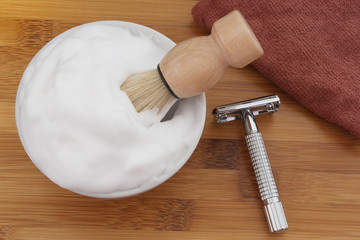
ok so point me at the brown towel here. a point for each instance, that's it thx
(312, 50)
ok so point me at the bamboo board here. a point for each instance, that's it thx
(214, 196)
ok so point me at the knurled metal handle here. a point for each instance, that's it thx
(268, 191)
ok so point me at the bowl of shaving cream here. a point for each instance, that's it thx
(83, 132)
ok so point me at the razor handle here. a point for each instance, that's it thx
(273, 208)
(268, 191)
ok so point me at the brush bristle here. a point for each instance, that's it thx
(147, 91)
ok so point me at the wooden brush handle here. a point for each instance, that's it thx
(196, 64)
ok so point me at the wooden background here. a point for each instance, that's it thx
(316, 164)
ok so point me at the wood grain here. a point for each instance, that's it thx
(316, 164)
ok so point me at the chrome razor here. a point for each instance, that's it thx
(246, 111)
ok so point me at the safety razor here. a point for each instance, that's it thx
(246, 111)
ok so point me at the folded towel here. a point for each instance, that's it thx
(312, 50)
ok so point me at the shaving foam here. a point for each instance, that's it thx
(83, 132)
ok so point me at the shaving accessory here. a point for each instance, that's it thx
(194, 65)
(246, 111)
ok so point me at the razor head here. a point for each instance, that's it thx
(258, 106)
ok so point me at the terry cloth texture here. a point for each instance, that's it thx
(311, 50)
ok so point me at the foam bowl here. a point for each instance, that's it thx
(82, 131)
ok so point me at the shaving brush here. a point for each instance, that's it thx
(194, 65)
